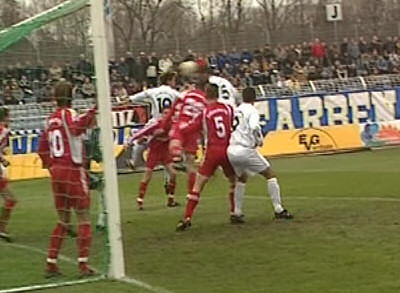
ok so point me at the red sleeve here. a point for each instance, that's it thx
(78, 125)
(44, 150)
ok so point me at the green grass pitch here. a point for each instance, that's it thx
(344, 238)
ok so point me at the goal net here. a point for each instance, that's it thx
(50, 42)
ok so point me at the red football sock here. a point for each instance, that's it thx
(171, 197)
(232, 198)
(172, 186)
(191, 204)
(142, 193)
(191, 181)
(6, 213)
(84, 241)
(56, 242)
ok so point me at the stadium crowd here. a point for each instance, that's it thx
(282, 65)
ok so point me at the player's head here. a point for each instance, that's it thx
(249, 95)
(168, 78)
(63, 94)
(4, 115)
(211, 92)
(201, 78)
(166, 111)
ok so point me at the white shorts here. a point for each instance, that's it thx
(246, 160)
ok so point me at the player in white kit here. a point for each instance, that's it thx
(246, 160)
(227, 93)
(159, 98)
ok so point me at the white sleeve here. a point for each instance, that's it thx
(140, 97)
(254, 121)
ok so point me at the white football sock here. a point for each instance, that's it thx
(137, 152)
(275, 194)
(167, 175)
(239, 195)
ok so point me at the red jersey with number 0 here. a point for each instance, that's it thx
(62, 141)
(4, 135)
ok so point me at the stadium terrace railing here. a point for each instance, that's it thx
(329, 86)
(32, 116)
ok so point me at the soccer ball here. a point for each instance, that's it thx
(188, 68)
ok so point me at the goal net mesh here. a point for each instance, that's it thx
(49, 46)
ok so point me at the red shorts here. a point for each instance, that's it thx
(214, 158)
(189, 143)
(70, 187)
(158, 157)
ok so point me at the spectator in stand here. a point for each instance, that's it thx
(246, 57)
(119, 92)
(68, 71)
(88, 89)
(55, 72)
(132, 65)
(376, 45)
(122, 67)
(114, 76)
(177, 58)
(382, 65)
(318, 51)
(142, 68)
(388, 47)
(363, 45)
(190, 56)
(353, 51)
(222, 60)
(267, 52)
(112, 64)
(84, 66)
(235, 60)
(152, 70)
(344, 49)
(213, 61)
(46, 93)
(165, 64)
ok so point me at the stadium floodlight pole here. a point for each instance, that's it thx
(117, 264)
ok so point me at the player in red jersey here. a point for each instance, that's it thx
(216, 121)
(191, 109)
(158, 154)
(61, 149)
(9, 199)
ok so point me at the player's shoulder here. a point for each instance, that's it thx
(247, 108)
(195, 94)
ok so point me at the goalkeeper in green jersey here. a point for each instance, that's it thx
(93, 153)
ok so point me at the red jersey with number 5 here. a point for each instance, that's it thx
(216, 122)
(62, 141)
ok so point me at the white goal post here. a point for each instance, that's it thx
(117, 264)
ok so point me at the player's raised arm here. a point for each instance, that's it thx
(192, 126)
(78, 125)
(140, 97)
(145, 131)
(44, 150)
(4, 135)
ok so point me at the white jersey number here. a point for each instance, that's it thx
(237, 120)
(56, 143)
(220, 127)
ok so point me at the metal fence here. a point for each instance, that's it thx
(330, 86)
